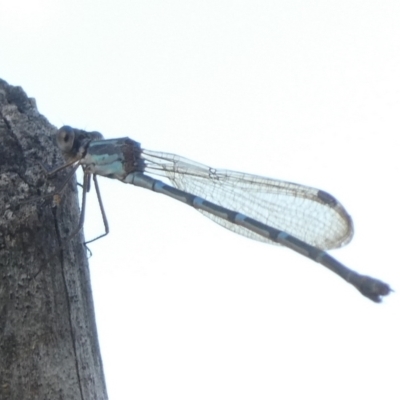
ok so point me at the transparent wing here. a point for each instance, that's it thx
(309, 214)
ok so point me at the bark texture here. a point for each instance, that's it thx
(48, 339)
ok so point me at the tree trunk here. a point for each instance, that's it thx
(48, 340)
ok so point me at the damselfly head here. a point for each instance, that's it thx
(65, 138)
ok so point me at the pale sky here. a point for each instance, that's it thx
(302, 91)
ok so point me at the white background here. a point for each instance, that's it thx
(305, 91)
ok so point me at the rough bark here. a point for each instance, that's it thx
(48, 339)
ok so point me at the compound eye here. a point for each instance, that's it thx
(65, 137)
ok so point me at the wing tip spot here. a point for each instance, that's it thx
(327, 198)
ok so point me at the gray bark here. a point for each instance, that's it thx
(48, 339)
